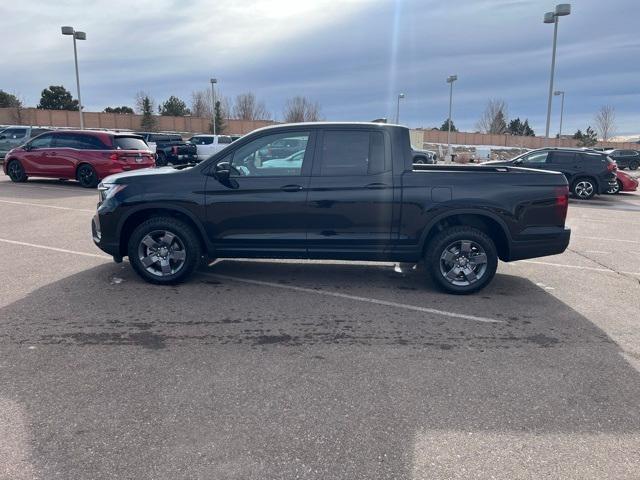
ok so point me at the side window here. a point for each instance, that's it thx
(43, 141)
(224, 139)
(206, 141)
(279, 154)
(352, 153)
(563, 158)
(15, 133)
(537, 157)
(89, 142)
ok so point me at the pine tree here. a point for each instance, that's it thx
(445, 126)
(148, 122)
(219, 119)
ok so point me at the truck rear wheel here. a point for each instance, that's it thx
(461, 260)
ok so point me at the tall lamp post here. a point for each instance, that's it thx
(556, 93)
(213, 103)
(401, 95)
(561, 10)
(76, 36)
(450, 80)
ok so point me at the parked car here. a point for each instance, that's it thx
(624, 183)
(625, 158)
(87, 156)
(235, 137)
(207, 145)
(12, 137)
(283, 148)
(424, 157)
(170, 149)
(356, 195)
(587, 171)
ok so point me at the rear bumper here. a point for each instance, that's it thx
(541, 242)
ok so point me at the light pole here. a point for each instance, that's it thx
(561, 10)
(76, 36)
(213, 103)
(450, 80)
(401, 95)
(556, 93)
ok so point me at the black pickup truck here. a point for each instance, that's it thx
(353, 194)
(170, 148)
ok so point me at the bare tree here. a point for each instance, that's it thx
(301, 109)
(201, 104)
(606, 122)
(140, 102)
(494, 117)
(247, 108)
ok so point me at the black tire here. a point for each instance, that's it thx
(616, 189)
(633, 165)
(87, 176)
(16, 172)
(584, 188)
(150, 241)
(452, 268)
(161, 160)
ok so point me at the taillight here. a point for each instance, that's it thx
(116, 157)
(562, 202)
(174, 150)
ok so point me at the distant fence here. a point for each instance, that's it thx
(462, 138)
(65, 118)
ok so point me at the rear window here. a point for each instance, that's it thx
(224, 139)
(352, 153)
(129, 143)
(175, 138)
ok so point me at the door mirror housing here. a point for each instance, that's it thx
(222, 171)
(28, 147)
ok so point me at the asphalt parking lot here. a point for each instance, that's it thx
(283, 369)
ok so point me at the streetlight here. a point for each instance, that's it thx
(213, 103)
(450, 80)
(556, 93)
(561, 10)
(398, 108)
(76, 36)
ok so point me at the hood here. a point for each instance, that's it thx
(143, 173)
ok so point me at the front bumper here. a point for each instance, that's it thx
(542, 242)
(102, 241)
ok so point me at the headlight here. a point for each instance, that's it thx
(108, 190)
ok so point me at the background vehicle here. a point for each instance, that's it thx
(207, 145)
(587, 171)
(170, 148)
(283, 148)
(355, 195)
(13, 137)
(624, 183)
(424, 157)
(625, 158)
(87, 156)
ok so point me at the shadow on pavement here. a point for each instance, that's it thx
(220, 379)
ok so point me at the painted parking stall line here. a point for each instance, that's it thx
(55, 207)
(54, 249)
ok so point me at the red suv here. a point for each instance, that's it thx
(87, 156)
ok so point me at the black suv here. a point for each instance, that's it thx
(625, 158)
(588, 172)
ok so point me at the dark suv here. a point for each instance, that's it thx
(625, 158)
(587, 171)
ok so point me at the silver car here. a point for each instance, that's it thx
(15, 136)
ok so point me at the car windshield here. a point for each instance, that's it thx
(129, 143)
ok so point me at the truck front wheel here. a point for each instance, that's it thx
(461, 260)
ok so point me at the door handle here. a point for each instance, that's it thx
(291, 188)
(376, 186)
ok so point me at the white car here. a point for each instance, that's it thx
(207, 145)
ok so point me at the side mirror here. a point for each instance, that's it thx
(222, 171)
(28, 147)
(517, 162)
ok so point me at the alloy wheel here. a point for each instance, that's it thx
(463, 263)
(584, 189)
(15, 171)
(86, 176)
(614, 189)
(162, 253)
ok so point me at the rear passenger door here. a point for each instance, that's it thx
(565, 162)
(351, 195)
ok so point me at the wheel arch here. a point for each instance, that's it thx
(134, 218)
(484, 221)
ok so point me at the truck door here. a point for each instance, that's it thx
(351, 195)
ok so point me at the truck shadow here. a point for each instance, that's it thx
(282, 380)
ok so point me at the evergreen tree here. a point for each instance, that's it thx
(147, 122)
(122, 109)
(219, 119)
(587, 139)
(56, 97)
(9, 100)
(445, 126)
(174, 107)
(498, 124)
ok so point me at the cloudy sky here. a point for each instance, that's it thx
(352, 56)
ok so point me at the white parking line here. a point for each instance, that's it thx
(375, 301)
(578, 267)
(63, 250)
(29, 204)
(606, 239)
